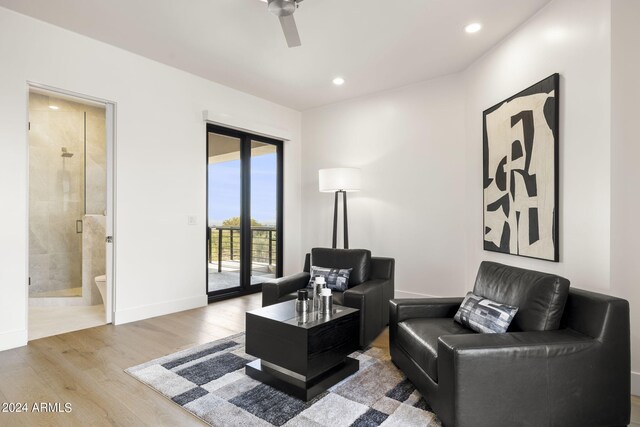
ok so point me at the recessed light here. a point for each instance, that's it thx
(473, 28)
(338, 81)
(54, 107)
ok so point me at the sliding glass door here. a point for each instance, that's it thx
(224, 193)
(264, 211)
(244, 211)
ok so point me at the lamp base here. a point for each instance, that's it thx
(335, 220)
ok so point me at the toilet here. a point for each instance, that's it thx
(101, 283)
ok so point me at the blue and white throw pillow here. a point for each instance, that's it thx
(336, 279)
(483, 315)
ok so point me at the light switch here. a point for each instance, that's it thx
(192, 220)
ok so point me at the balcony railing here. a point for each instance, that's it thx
(224, 245)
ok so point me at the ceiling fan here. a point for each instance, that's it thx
(284, 10)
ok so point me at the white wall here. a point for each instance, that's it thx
(593, 44)
(410, 146)
(160, 165)
(570, 37)
(421, 151)
(408, 142)
(625, 174)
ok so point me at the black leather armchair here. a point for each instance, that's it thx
(371, 286)
(533, 375)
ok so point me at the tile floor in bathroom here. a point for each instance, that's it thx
(69, 292)
(49, 321)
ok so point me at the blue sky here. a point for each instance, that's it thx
(224, 189)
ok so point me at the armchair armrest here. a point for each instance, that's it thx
(354, 297)
(403, 309)
(273, 290)
(537, 375)
(368, 297)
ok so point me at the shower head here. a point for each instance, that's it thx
(65, 153)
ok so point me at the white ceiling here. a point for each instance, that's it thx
(374, 44)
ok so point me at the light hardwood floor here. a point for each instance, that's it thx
(86, 368)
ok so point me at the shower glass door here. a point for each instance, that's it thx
(67, 198)
(244, 211)
(57, 130)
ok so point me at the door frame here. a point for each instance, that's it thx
(245, 138)
(110, 220)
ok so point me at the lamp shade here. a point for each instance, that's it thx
(335, 179)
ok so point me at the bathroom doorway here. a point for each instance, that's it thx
(70, 204)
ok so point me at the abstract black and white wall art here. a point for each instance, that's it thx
(520, 170)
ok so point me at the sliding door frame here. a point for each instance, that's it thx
(245, 138)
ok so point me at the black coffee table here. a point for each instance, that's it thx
(302, 355)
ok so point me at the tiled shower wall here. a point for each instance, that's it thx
(57, 189)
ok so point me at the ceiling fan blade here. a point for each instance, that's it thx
(290, 30)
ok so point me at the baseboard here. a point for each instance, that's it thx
(635, 383)
(406, 294)
(147, 311)
(13, 339)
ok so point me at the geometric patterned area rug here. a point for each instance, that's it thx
(209, 381)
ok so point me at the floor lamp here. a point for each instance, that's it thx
(339, 180)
